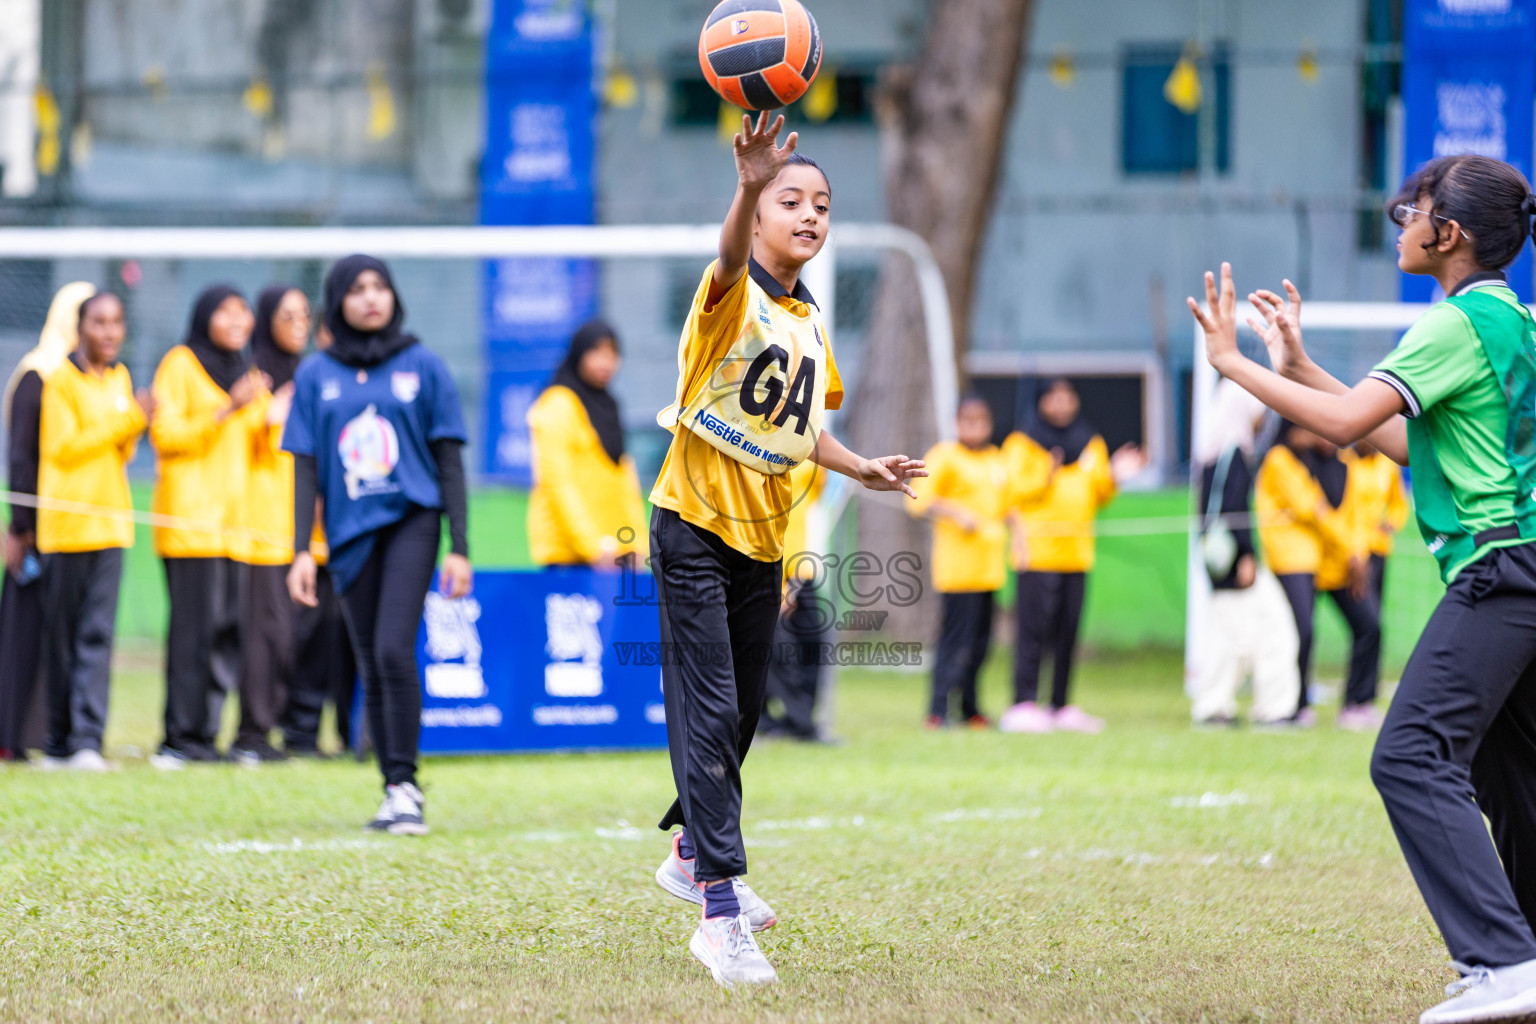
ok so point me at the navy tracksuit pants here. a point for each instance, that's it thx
(1459, 742)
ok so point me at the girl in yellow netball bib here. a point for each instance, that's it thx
(755, 374)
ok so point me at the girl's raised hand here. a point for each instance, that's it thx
(1281, 328)
(1218, 319)
(759, 157)
(891, 473)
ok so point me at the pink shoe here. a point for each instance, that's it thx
(1025, 717)
(1074, 719)
(1358, 718)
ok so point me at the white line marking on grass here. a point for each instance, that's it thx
(626, 832)
(264, 846)
(988, 814)
(1206, 801)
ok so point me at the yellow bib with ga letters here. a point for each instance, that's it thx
(763, 400)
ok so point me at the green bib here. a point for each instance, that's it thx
(1507, 333)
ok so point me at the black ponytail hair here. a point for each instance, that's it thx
(801, 160)
(1490, 199)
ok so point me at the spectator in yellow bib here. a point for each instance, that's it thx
(585, 508)
(209, 401)
(965, 496)
(21, 596)
(1060, 476)
(1376, 506)
(91, 422)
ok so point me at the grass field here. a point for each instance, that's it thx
(1149, 875)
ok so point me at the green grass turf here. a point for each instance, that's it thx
(1135, 598)
(918, 877)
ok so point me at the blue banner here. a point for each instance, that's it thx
(1469, 86)
(560, 659)
(538, 170)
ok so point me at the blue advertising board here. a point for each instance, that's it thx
(1469, 86)
(539, 156)
(558, 659)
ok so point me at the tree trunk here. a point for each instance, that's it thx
(943, 122)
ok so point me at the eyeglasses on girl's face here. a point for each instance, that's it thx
(1404, 214)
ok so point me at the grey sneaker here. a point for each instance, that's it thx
(725, 945)
(406, 804)
(1487, 994)
(676, 876)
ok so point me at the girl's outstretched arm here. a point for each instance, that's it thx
(1280, 330)
(888, 473)
(759, 158)
(1344, 419)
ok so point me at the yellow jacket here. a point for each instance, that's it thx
(89, 428)
(976, 481)
(1300, 533)
(267, 514)
(581, 498)
(1375, 502)
(204, 463)
(1057, 508)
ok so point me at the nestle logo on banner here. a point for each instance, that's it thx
(1470, 119)
(574, 644)
(452, 633)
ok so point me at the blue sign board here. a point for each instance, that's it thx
(558, 659)
(1469, 86)
(540, 150)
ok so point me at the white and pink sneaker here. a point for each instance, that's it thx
(1359, 718)
(1027, 717)
(1074, 719)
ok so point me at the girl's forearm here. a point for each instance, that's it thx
(736, 234)
(830, 453)
(1344, 419)
(1391, 438)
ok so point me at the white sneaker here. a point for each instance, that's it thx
(725, 945)
(676, 876)
(88, 760)
(1487, 994)
(406, 804)
(1027, 717)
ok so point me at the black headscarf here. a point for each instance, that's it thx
(1071, 439)
(1330, 472)
(224, 366)
(602, 410)
(269, 356)
(351, 346)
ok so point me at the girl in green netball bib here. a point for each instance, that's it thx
(755, 374)
(1456, 401)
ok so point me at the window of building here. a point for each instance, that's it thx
(1158, 137)
(694, 103)
(1380, 87)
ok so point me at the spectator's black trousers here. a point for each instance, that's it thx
(267, 649)
(22, 712)
(78, 630)
(323, 669)
(1459, 742)
(794, 674)
(965, 632)
(202, 656)
(1049, 606)
(718, 612)
(1362, 615)
(383, 610)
